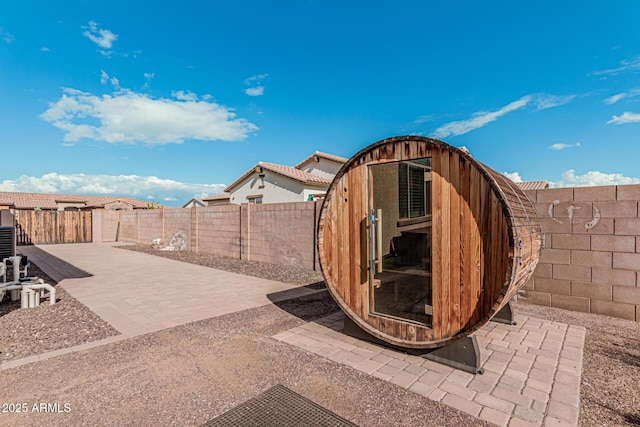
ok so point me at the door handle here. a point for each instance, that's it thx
(376, 240)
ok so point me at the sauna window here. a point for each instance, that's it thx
(414, 189)
(400, 255)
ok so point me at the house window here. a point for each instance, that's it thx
(414, 189)
(255, 199)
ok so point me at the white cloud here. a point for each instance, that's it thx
(593, 178)
(6, 37)
(130, 117)
(103, 38)
(478, 120)
(562, 146)
(44, 49)
(140, 187)
(255, 91)
(424, 119)
(544, 100)
(632, 65)
(148, 77)
(104, 77)
(513, 176)
(615, 98)
(626, 117)
(257, 78)
(256, 88)
(184, 96)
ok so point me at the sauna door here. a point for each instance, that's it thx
(399, 205)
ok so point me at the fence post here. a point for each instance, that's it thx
(96, 226)
(248, 231)
(137, 226)
(194, 228)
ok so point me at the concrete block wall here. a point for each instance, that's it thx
(591, 259)
(127, 230)
(177, 225)
(277, 233)
(218, 230)
(282, 233)
(150, 225)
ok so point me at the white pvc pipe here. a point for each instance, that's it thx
(48, 287)
(16, 267)
(30, 298)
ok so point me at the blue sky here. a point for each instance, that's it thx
(169, 100)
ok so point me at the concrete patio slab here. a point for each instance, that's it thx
(532, 369)
(138, 293)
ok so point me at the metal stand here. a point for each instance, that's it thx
(463, 354)
(505, 315)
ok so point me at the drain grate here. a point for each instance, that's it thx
(279, 407)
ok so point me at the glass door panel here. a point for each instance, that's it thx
(400, 241)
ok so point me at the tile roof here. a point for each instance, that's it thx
(216, 197)
(22, 200)
(327, 156)
(288, 171)
(533, 185)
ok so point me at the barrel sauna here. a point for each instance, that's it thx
(420, 244)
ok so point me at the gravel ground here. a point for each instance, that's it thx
(610, 390)
(27, 332)
(188, 374)
(279, 273)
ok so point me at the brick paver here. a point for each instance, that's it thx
(532, 370)
(138, 293)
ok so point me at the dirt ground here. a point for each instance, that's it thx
(189, 374)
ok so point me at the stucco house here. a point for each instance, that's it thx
(275, 183)
(195, 203)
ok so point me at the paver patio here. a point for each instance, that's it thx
(138, 293)
(532, 369)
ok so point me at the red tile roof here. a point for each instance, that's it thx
(216, 197)
(327, 156)
(288, 171)
(22, 200)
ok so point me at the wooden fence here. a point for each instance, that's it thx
(48, 227)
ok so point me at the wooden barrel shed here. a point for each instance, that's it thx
(420, 244)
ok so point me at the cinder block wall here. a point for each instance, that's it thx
(177, 225)
(150, 225)
(282, 233)
(591, 258)
(127, 230)
(218, 230)
(279, 233)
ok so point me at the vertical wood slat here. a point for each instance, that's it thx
(445, 254)
(455, 242)
(51, 227)
(466, 219)
(351, 197)
(475, 247)
(363, 280)
(436, 246)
